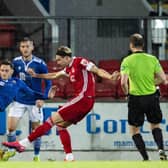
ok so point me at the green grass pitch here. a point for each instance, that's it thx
(86, 164)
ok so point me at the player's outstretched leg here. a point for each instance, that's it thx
(20, 146)
(15, 145)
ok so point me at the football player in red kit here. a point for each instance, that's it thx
(81, 73)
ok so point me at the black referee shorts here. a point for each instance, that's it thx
(141, 106)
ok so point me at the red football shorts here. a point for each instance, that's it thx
(76, 109)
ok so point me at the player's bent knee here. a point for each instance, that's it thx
(64, 124)
(56, 118)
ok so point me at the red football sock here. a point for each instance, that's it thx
(65, 139)
(41, 130)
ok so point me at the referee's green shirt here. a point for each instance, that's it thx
(141, 68)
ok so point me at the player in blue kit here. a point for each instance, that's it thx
(24, 102)
(9, 87)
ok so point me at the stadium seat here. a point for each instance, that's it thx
(163, 91)
(120, 93)
(7, 35)
(164, 64)
(109, 65)
(107, 81)
(105, 90)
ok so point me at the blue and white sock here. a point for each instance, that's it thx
(11, 136)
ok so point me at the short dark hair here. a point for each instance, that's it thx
(137, 40)
(7, 62)
(25, 39)
(64, 51)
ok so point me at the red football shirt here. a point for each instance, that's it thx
(81, 78)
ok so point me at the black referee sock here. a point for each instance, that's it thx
(158, 137)
(139, 142)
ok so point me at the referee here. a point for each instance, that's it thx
(140, 73)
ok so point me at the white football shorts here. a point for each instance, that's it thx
(17, 110)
